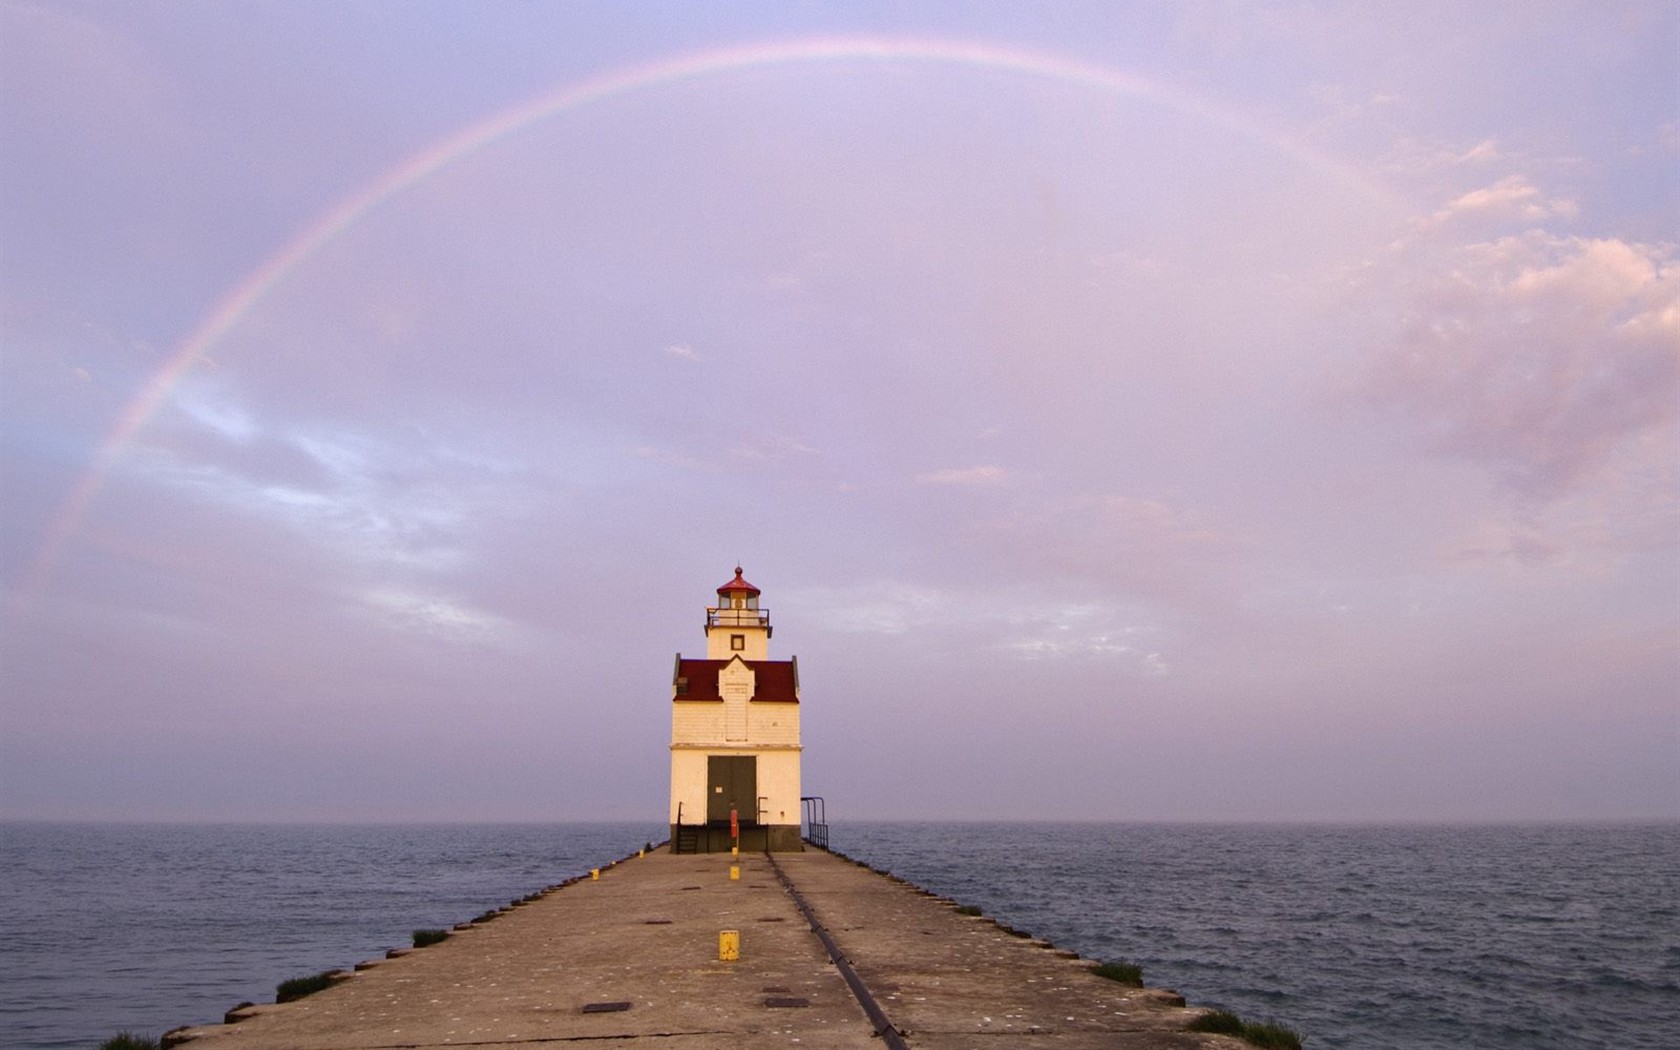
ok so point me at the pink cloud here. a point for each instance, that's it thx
(1494, 541)
(1540, 358)
(1512, 197)
(1141, 547)
(981, 475)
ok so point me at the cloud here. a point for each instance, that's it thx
(683, 351)
(1539, 358)
(1088, 630)
(673, 457)
(1139, 548)
(1431, 157)
(434, 617)
(1481, 153)
(1512, 197)
(752, 450)
(981, 475)
(1017, 621)
(1492, 541)
(771, 449)
(374, 504)
(1631, 511)
(102, 79)
(210, 408)
(893, 608)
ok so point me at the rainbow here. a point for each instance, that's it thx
(231, 309)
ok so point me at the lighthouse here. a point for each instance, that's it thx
(735, 734)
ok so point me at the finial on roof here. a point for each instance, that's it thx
(738, 584)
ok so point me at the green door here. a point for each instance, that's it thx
(731, 783)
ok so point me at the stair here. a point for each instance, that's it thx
(688, 839)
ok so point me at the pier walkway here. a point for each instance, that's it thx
(631, 959)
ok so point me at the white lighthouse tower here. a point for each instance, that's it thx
(735, 734)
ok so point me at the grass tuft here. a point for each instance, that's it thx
(1272, 1036)
(968, 909)
(1124, 972)
(422, 938)
(298, 987)
(1220, 1022)
(1267, 1036)
(129, 1041)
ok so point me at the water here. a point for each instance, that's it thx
(1381, 938)
(148, 927)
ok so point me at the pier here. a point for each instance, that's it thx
(733, 934)
(830, 955)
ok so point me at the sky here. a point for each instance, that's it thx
(1130, 411)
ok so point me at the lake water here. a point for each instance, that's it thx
(1381, 937)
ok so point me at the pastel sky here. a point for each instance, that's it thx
(1153, 411)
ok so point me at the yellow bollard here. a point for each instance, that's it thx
(594, 874)
(734, 851)
(729, 945)
(734, 873)
(641, 853)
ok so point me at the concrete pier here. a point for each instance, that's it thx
(632, 959)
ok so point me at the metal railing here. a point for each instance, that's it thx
(682, 841)
(816, 820)
(737, 617)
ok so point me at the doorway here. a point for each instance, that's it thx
(732, 784)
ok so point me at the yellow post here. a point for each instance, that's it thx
(734, 873)
(735, 851)
(641, 853)
(594, 874)
(729, 945)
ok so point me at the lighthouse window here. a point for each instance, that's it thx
(737, 642)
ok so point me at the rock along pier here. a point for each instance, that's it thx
(830, 955)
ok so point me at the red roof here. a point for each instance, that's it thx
(738, 584)
(774, 681)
